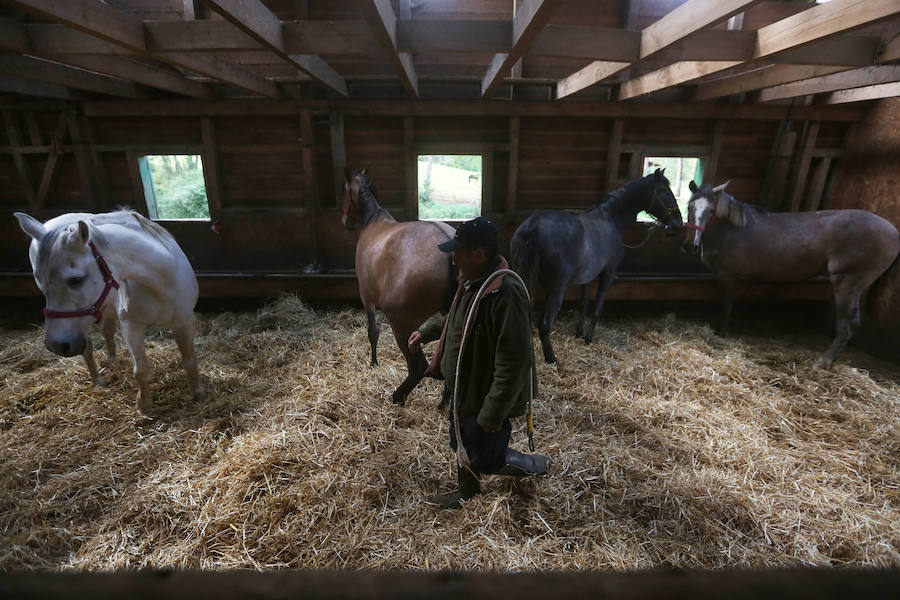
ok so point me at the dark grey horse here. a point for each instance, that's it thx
(558, 248)
(852, 247)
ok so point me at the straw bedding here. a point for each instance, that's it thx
(669, 446)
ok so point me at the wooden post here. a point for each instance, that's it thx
(410, 170)
(338, 152)
(774, 181)
(34, 131)
(211, 170)
(817, 185)
(139, 202)
(513, 181)
(802, 167)
(308, 144)
(50, 167)
(98, 169)
(87, 165)
(715, 144)
(15, 140)
(613, 152)
(487, 185)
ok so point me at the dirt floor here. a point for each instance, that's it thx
(669, 446)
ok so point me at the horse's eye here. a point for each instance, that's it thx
(75, 281)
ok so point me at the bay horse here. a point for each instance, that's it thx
(104, 268)
(559, 249)
(852, 247)
(400, 272)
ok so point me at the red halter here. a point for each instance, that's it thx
(93, 309)
(697, 227)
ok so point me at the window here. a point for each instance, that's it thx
(680, 171)
(450, 186)
(174, 186)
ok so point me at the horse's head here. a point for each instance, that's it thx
(69, 274)
(356, 184)
(663, 205)
(702, 208)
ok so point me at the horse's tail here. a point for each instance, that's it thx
(524, 255)
(880, 297)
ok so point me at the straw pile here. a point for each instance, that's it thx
(669, 446)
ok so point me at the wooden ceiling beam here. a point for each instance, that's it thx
(17, 85)
(761, 78)
(871, 92)
(809, 26)
(435, 35)
(528, 21)
(254, 18)
(379, 14)
(855, 78)
(111, 25)
(45, 71)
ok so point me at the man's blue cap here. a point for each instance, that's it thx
(477, 233)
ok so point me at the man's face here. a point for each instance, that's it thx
(470, 262)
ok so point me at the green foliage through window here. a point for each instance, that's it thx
(174, 186)
(450, 186)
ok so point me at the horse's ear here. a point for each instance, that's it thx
(365, 170)
(721, 188)
(83, 232)
(692, 186)
(30, 225)
(661, 171)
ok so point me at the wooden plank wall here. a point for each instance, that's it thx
(267, 222)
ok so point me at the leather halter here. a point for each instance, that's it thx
(93, 309)
(700, 228)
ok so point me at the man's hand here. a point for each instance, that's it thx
(415, 341)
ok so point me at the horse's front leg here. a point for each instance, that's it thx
(134, 339)
(584, 291)
(727, 286)
(373, 334)
(109, 336)
(551, 307)
(184, 337)
(606, 279)
(88, 355)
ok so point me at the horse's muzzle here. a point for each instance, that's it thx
(66, 346)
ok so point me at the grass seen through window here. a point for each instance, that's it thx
(450, 186)
(174, 186)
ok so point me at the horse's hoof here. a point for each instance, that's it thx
(821, 365)
(588, 340)
(200, 395)
(99, 382)
(398, 402)
(144, 406)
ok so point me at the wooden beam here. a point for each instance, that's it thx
(682, 72)
(410, 170)
(528, 21)
(98, 168)
(212, 174)
(687, 19)
(15, 140)
(595, 72)
(821, 21)
(308, 152)
(890, 51)
(254, 18)
(817, 185)
(766, 76)
(338, 153)
(379, 14)
(864, 77)
(139, 201)
(80, 144)
(801, 169)
(512, 184)
(872, 92)
(613, 152)
(14, 85)
(140, 72)
(118, 27)
(51, 72)
(715, 150)
(432, 36)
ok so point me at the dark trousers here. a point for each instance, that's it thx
(486, 450)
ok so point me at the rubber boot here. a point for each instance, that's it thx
(522, 465)
(468, 487)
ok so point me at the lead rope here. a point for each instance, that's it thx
(462, 458)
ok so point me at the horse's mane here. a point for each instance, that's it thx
(369, 194)
(630, 189)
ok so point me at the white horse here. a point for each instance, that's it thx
(107, 267)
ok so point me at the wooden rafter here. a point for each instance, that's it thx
(531, 17)
(871, 92)
(831, 83)
(379, 14)
(111, 25)
(759, 79)
(50, 72)
(255, 19)
(814, 24)
(680, 24)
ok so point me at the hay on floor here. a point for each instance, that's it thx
(669, 446)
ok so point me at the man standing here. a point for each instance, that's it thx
(495, 380)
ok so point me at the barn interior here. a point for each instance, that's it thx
(795, 103)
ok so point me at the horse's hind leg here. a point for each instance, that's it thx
(109, 336)
(184, 337)
(551, 308)
(847, 294)
(373, 334)
(584, 292)
(606, 279)
(415, 365)
(134, 339)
